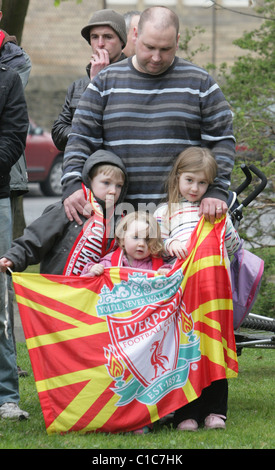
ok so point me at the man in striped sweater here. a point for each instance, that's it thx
(147, 109)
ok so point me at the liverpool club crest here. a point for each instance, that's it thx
(145, 357)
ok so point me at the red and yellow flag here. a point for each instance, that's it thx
(116, 352)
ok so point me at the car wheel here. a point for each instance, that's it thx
(52, 185)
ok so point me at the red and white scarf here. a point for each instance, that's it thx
(91, 243)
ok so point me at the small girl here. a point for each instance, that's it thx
(194, 169)
(139, 246)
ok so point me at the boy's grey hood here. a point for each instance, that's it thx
(107, 158)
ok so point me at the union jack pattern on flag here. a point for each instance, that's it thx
(116, 352)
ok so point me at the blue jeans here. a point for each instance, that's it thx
(9, 386)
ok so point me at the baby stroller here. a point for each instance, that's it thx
(251, 330)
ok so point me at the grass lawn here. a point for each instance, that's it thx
(250, 424)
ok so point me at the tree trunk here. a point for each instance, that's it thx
(14, 13)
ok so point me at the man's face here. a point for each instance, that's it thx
(155, 49)
(130, 48)
(104, 37)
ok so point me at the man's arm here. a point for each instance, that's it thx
(25, 69)
(84, 140)
(14, 119)
(62, 126)
(217, 135)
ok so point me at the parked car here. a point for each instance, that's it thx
(44, 161)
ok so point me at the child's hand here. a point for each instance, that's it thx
(163, 271)
(178, 249)
(5, 263)
(96, 270)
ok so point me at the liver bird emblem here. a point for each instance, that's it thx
(158, 360)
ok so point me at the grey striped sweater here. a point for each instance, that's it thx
(147, 120)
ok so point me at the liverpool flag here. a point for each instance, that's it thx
(116, 352)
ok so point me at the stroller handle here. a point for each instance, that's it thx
(237, 212)
(247, 180)
(259, 188)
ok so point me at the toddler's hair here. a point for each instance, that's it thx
(153, 236)
(107, 169)
(191, 160)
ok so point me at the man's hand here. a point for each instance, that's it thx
(99, 60)
(212, 209)
(76, 204)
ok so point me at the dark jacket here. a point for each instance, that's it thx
(63, 124)
(49, 240)
(13, 56)
(14, 124)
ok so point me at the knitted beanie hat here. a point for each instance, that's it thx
(110, 18)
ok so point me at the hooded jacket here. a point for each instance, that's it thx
(53, 240)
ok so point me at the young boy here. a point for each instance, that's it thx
(62, 246)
